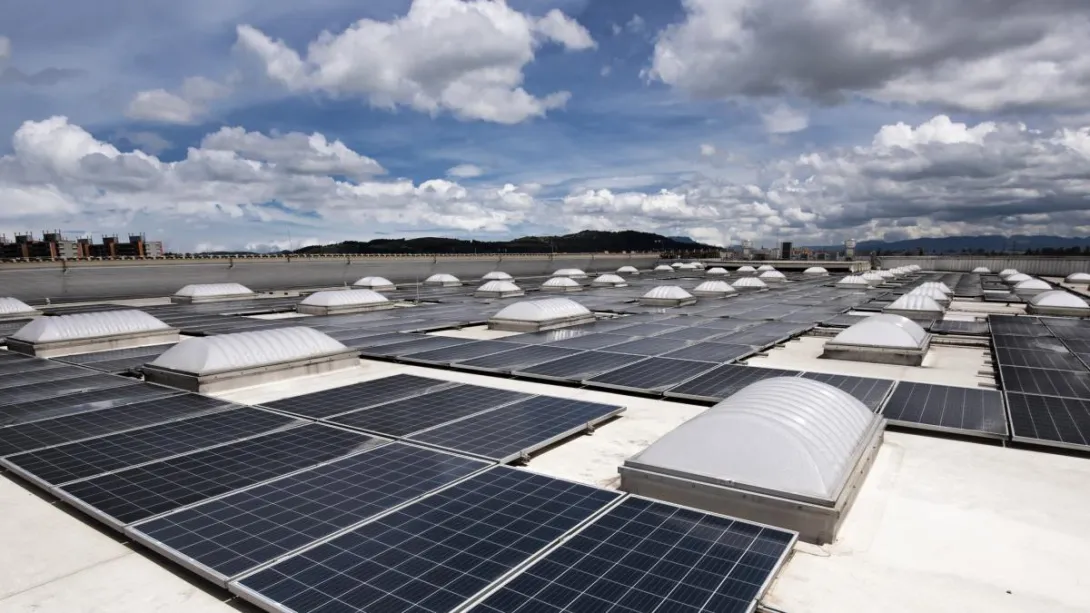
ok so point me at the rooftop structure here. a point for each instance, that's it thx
(89, 332)
(539, 315)
(443, 280)
(339, 302)
(1077, 278)
(982, 270)
(773, 276)
(212, 292)
(496, 275)
(714, 289)
(884, 338)
(609, 281)
(13, 308)
(749, 284)
(1031, 287)
(853, 282)
(378, 284)
(663, 268)
(573, 273)
(628, 270)
(765, 268)
(1058, 302)
(243, 359)
(1016, 278)
(915, 305)
(816, 271)
(498, 289)
(747, 270)
(789, 451)
(716, 271)
(667, 296)
(561, 284)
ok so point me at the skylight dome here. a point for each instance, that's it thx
(688, 267)
(930, 292)
(1058, 302)
(714, 289)
(379, 284)
(914, 304)
(780, 438)
(443, 280)
(747, 269)
(1031, 287)
(1006, 272)
(496, 275)
(543, 314)
(574, 273)
(939, 285)
(628, 270)
(699, 265)
(336, 302)
(13, 308)
(716, 271)
(981, 270)
(561, 284)
(88, 332)
(663, 268)
(749, 283)
(816, 271)
(228, 361)
(853, 282)
(1078, 278)
(667, 295)
(886, 274)
(677, 265)
(1017, 278)
(498, 289)
(765, 268)
(884, 330)
(212, 292)
(609, 281)
(872, 277)
(772, 276)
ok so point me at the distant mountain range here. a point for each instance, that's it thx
(580, 242)
(972, 244)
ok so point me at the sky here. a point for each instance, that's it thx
(273, 124)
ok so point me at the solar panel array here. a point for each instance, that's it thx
(870, 392)
(960, 410)
(59, 406)
(721, 382)
(326, 403)
(650, 375)
(404, 417)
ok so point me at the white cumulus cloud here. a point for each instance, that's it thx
(465, 171)
(185, 107)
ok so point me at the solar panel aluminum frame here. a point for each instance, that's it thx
(578, 379)
(235, 586)
(591, 382)
(133, 530)
(526, 451)
(410, 358)
(49, 487)
(715, 399)
(1043, 442)
(527, 565)
(115, 524)
(913, 425)
(464, 365)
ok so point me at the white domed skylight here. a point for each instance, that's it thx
(749, 283)
(375, 283)
(884, 331)
(1078, 278)
(609, 281)
(853, 281)
(667, 292)
(79, 326)
(816, 271)
(915, 303)
(716, 271)
(772, 274)
(13, 307)
(628, 270)
(496, 275)
(663, 268)
(214, 290)
(242, 350)
(765, 268)
(981, 270)
(443, 279)
(351, 297)
(574, 273)
(714, 288)
(1006, 272)
(747, 269)
(1059, 298)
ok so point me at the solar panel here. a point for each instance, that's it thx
(764, 334)
(79, 460)
(59, 406)
(378, 340)
(27, 365)
(971, 328)
(418, 344)
(694, 333)
(517, 429)
(961, 410)
(1077, 346)
(650, 346)
(1028, 342)
(712, 352)
(1073, 333)
(403, 417)
(1044, 420)
(432, 555)
(1052, 360)
(465, 351)
(727, 325)
(228, 536)
(648, 329)
(141, 492)
(645, 555)
(115, 354)
(1045, 382)
(592, 341)
(60, 430)
(650, 375)
(1020, 326)
(41, 375)
(90, 381)
(515, 359)
(580, 366)
(870, 392)
(717, 384)
(327, 403)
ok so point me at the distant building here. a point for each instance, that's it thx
(785, 250)
(53, 246)
(849, 249)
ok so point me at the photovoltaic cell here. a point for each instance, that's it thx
(141, 492)
(1045, 420)
(962, 410)
(403, 417)
(235, 533)
(717, 384)
(327, 403)
(520, 428)
(423, 343)
(1053, 360)
(11, 368)
(79, 460)
(648, 329)
(60, 430)
(41, 375)
(580, 366)
(465, 351)
(515, 359)
(650, 375)
(711, 352)
(650, 556)
(78, 403)
(61, 387)
(971, 328)
(1028, 342)
(1045, 382)
(870, 392)
(650, 346)
(1017, 326)
(695, 333)
(592, 341)
(432, 555)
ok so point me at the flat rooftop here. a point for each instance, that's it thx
(942, 522)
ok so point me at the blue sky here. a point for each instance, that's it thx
(803, 119)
